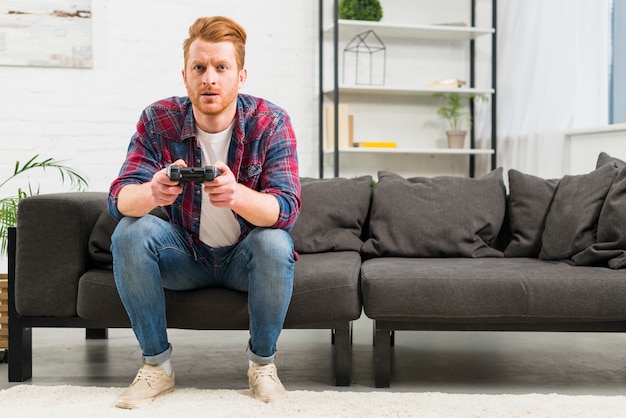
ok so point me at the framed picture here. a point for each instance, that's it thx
(46, 33)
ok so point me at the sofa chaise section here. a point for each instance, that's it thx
(549, 256)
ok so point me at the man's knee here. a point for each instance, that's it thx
(271, 242)
(131, 230)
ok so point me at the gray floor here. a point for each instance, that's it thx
(451, 362)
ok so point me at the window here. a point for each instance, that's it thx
(617, 78)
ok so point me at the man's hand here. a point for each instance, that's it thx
(165, 191)
(260, 209)
(139, 199)
(223, 189)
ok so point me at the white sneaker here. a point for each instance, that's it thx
(150, 382)
(264, 382)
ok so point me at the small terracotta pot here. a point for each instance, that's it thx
(456, 139)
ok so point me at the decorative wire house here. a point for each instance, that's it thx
(363, 52)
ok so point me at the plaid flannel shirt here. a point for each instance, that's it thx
(262, 155)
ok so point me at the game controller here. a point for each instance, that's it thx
(189, 174)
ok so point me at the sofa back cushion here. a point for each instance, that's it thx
(610, 245)
(435, 217)
(100, 241)
(529, 200)
(333, 215)
(571, 223)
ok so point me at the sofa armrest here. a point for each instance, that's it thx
(52, 250)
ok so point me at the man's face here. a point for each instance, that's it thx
(212, 79)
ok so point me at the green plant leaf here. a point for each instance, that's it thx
(370, 10)
(453, 111)
(9, 205)
(8, 213)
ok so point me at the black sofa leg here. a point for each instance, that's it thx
(342, 355)
(96, 333)
(392, 340)
(20, 353)
(382, 358)
(20, 338)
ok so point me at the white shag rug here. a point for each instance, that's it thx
(77, 401)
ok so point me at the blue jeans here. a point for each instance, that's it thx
(150, 254)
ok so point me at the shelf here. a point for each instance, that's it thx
(396, 91)
(349, 28)
(430, 151)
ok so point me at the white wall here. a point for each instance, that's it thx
(87, 116)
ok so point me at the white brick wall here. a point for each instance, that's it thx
(87, 116)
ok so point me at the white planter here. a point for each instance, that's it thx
(456, 139)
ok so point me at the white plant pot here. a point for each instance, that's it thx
(456, 139)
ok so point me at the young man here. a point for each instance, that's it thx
(230, 232)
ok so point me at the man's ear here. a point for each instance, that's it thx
(243, 76)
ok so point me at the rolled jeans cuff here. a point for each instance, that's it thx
(258, 359)
(159, 358)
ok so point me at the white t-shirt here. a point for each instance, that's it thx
(218, 226)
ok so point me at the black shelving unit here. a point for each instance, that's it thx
(336, 88)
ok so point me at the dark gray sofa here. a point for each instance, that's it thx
(442, 253)
(60, 276)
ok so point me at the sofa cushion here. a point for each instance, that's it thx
(529, 201)
(571, 224)
(333, 214)
(605, 158)
(610, 248)
(435, 217)
(612, 221)
(494, 290)
(326, 289)
(100, 241)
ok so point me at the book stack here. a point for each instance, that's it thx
(346, 131)
(346, 127)
(376, 144)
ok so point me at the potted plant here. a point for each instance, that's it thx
(456, 116)
(8, 205)
(360, 10)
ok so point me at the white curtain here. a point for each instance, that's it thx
(553, 66)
